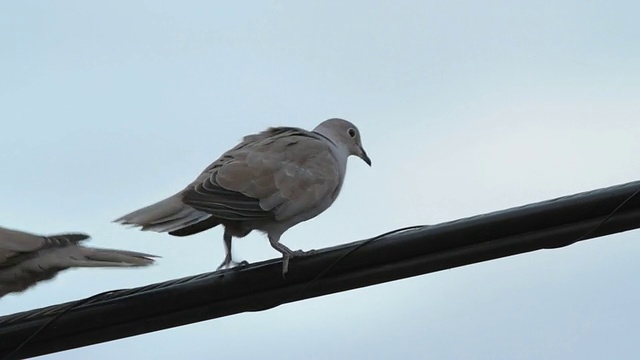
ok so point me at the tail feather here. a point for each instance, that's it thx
(96, 257)
(167, 215)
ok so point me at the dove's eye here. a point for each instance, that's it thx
(351, 133)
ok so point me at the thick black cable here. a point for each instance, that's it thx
(595, 199)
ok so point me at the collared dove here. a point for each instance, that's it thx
(26, 259)
(269, 182)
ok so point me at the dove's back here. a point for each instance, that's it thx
(26, 259)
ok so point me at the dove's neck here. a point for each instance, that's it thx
(340, 151)
(327, 134)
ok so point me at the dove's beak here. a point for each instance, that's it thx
(363, 155)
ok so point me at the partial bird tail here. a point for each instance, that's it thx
(96, 257)
(169, 215)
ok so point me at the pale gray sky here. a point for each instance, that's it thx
(465, 107)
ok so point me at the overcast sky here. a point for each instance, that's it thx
(465, 107)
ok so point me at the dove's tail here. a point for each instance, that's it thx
(170, 215)
(96, 257)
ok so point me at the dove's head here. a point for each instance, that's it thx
(343, 133)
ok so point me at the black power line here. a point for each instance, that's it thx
(260, 286)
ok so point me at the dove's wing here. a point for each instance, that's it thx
(26, 259)
(277, 174)
(14, 243)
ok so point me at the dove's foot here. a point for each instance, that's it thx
(229, 263)
(286, 256)
(287, 253)
(305, 253)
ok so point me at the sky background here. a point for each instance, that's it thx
(465, 107)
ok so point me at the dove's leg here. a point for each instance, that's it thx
(228, 261)
(285, 251)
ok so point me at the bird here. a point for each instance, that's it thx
(269, 182)
(27, 259)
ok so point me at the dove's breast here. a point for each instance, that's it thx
(311, 189)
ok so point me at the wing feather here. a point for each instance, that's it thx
(275, 174)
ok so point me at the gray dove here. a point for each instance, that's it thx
(26, 259)
(269, 182)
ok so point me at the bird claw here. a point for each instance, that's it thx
(296, 253)
(228, 263)
(305, 253)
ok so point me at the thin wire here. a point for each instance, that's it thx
(368, 241)
(595, 228)
(314, 280)
(347, 253)
(56, 317)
